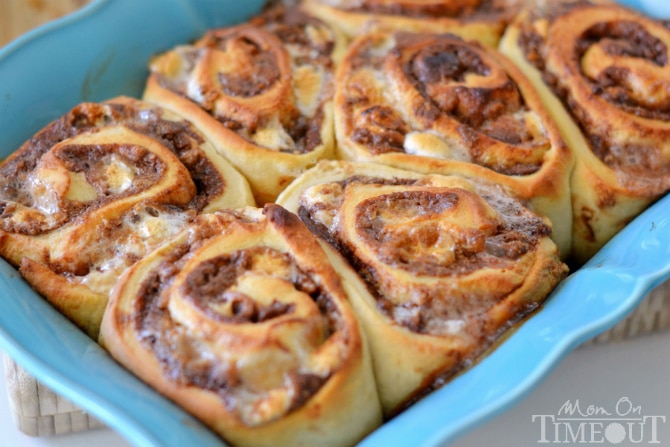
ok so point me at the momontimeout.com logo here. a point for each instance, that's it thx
(577, 423)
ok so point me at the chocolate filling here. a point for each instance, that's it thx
(182, 357)
(261, 72)
(619, 39)
(177, 136)
(444, 70)
(518, 232)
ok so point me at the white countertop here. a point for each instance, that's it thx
(633, 374)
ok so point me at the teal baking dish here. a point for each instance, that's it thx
(102, 51)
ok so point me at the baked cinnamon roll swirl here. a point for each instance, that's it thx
(241, 320)
(95, 190)
(603, 71)
(261, 91)
(438, 104)
(482, 20)
(442, 265)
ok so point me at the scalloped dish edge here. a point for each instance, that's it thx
(71, 364)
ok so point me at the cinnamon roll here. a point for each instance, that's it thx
(603, 72)
(442, 265)
(438, 104)
(261, 91)
(95, 190)
(241, 320)
(482, 20)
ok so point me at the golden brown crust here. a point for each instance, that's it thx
(443, 264)
(261, 91)
(98, 188)
(438, 104)
(481, 20)
(603, 72)
(242, 320)
(77, 302)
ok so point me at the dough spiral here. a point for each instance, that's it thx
(443, 265)
(438, 104)
(603, 72)
(97, 189)
(241, 320)
(261, 91)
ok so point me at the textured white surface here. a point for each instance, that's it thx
(38, 411)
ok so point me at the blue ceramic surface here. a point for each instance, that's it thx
(102, 51)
